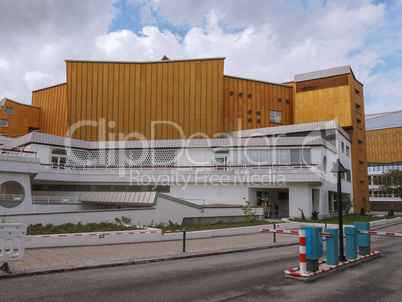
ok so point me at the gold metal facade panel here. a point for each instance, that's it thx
(247, 104)
(384, 145)
(53, 112)
(166, 100)
(22, 118)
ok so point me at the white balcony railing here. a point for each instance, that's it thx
(184, 168)
(18, 152)
(55, 200)
(12, 197)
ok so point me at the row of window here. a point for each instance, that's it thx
(374, 193)
(384, 167)
(263, 157)
(345, 150)
(377, 180)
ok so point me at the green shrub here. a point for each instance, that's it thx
(314, 215)
(123, 220)
(248, 211)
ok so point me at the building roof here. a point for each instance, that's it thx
(322, 73)
(260, 81)
(146, 62)
(134, 199)
(3, 102)
(383, 120)
(248, 138)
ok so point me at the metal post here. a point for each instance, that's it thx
(325, 219)
(340, 219)
(184, 240)
(338, 168)
(275, 232)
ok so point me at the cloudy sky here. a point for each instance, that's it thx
(261, 39)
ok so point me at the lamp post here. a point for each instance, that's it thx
(338, 168)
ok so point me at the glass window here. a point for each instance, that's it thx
(342, 147)
(348, 177)
(3, 123)
(59, 151)
(347, 151)
(275, 116)
(8, 110)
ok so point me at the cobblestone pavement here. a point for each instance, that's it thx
(62, 258)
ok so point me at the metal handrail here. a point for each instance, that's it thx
(19, 152)
(182, 167)
(12, 197)
(54, 199)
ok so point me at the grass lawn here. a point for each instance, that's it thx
(209, 226)
(39, 229)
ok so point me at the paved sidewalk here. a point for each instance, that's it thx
(70, 258)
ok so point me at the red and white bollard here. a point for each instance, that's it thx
(302, 250)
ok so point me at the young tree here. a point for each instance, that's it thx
(391, 182)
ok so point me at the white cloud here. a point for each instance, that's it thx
(267, 40)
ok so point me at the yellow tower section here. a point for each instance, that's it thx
(335, 94)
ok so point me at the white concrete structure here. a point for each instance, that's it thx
(195, 180)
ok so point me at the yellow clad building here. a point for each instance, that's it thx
(181, 99)
(384, 145)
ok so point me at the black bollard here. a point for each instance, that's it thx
(184, 240)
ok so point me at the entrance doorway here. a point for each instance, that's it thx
(263, 201)
(274, 201)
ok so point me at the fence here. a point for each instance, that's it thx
(12, 243)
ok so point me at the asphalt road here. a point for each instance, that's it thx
(246, 276)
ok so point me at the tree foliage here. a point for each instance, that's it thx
(391, 182)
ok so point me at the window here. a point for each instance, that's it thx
(58, 158)
(3, 123)
(32, 129)
(324, 164)
(347, 151)
(342, 147)
(275, 116)
(348, 176)
(8, 110)
(221, 159)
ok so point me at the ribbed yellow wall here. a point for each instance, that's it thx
(53, 112)
(127, 97)
(324, 104)
(255, 96)
(384, 145)
(357, 133)
(23, 117)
